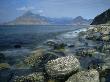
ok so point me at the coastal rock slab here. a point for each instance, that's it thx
(62, 66)
(85, 76)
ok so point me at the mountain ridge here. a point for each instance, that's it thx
(103, 18)
(29, 18)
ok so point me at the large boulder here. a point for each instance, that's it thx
(85, 76)
(62, 66)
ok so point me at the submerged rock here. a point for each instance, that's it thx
(17, 46)
(55, 44)
(4, 66)
(85, 76)
(85, 51)
(6, 75)
(40, 65)
(38, 59)
(35, 77)
(2, 58)
(62, 66)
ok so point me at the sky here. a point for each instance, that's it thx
(10, 9)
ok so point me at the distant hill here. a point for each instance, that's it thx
(103, 18)
(81, 21)
(30, 18)
(60, 21)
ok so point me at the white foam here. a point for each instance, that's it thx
(72, 34)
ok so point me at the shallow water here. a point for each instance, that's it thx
(30, 38)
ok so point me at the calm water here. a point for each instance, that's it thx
(30, 36)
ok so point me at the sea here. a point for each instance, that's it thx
(30, 37)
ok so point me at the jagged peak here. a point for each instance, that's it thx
(79, 17)
(102, 18)
(28, 13)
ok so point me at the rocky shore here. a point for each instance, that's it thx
(87, 59)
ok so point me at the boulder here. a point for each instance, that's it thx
(85, 51)
(35, 77)
(40, 64)
(55, 44)
(85, 76)
(62, 66)
(39, 58)
(4, 66)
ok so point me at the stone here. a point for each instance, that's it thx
(85, 76)
(34, 77)
(62, 66)
(39, 58)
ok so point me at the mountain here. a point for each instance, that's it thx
(29, 18)
(81, 21)
(103, 18)
(60, 21)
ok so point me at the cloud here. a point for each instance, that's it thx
(40, 11)
(26, 8)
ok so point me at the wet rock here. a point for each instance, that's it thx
(39, 58)
(17, 46)
(40, 66)
(106, 38)
(6, 75)
(55, 44)
(85, 51)
(35, 77)
(2, 58)
(34, 57)
(105, 76)
(4, 66)
(96, 64)
(85, 76)
(62, 66)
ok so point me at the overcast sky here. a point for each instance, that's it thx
(10, 9)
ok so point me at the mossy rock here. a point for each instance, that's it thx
(106, 38)
(4, 66)
(34, 57)
(85, 52)
(40, 64)
(38, 59)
